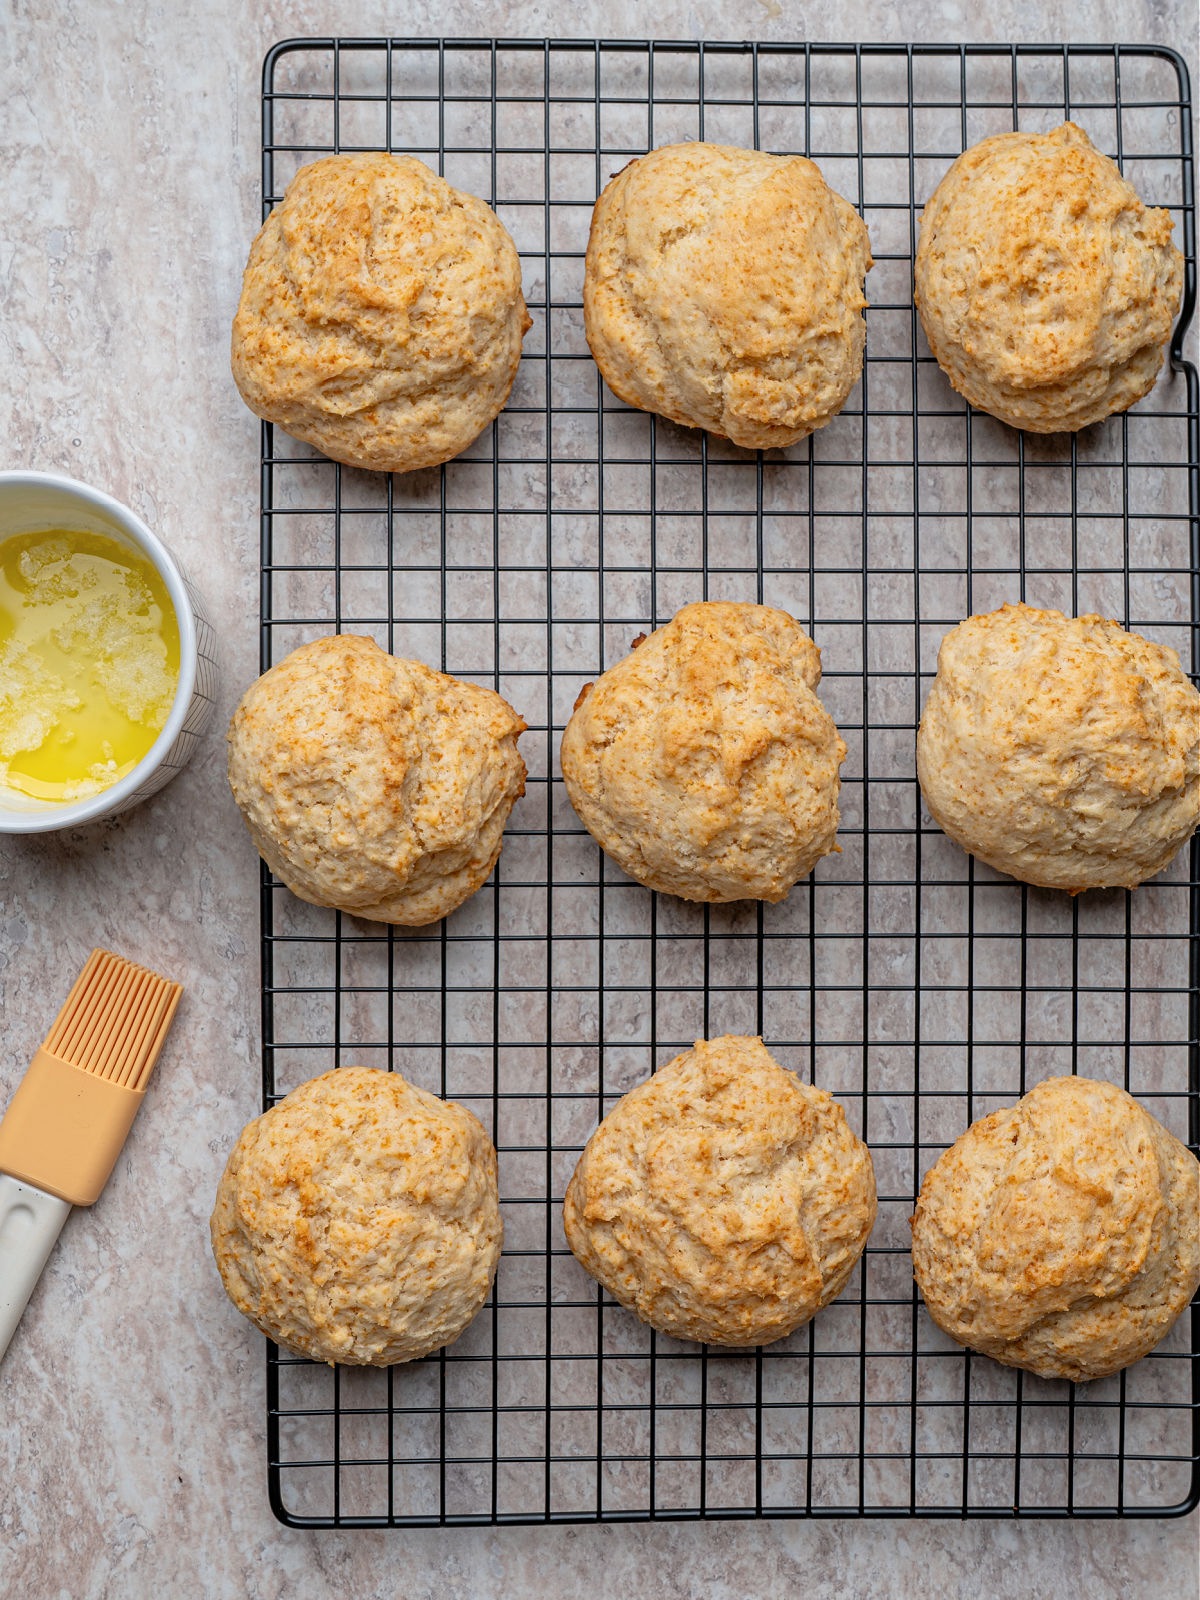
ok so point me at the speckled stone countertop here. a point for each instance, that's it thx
(131, 1425)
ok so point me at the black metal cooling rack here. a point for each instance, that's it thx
(918, 986)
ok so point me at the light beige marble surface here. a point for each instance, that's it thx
(131, 1405)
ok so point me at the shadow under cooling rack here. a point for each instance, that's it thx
(919, 987)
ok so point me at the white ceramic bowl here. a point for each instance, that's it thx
(31, 501)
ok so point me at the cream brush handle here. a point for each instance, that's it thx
(30, 1222)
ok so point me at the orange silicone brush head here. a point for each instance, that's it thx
(114, 1021)
(66, 1124)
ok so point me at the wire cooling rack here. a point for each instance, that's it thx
(920, 987)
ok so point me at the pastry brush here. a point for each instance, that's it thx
(66, 1123)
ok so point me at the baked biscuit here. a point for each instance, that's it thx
(722, 1200)
(703, 763)
(374, 785)
(1045, 287)
(1062, 750)
(381, 315)
(358, 1221)
(1060, 1234)
(724, 289)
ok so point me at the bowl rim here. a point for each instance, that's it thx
(93, 806)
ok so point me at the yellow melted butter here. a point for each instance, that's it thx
(89, 660)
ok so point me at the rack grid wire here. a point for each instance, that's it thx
(921, 988)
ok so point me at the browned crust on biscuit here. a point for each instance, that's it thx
(1045, 287)
(724, 289)
(358, 1220)
(374, 784)
(381, 314)
(1062, 750)
(703, 762)
(722, 1200)
(1061, 1234)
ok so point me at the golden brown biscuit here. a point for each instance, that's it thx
(358, 1219)
(1060, 1234)
(724, 289)
(703, 763)
(381, 315)
(1045, 287)
(1062, 750)
(722, 1200)
(372, 784)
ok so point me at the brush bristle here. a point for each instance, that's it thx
(115, 1019)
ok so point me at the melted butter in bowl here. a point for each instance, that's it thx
(89, 662)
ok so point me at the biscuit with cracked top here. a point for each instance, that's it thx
(1061, 1234)
(1045, 287)
(723, 289)
(358, 1221)
(373, 784)
(381, 314)
(704, 763)
(1062, 750)
(722, 1200)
